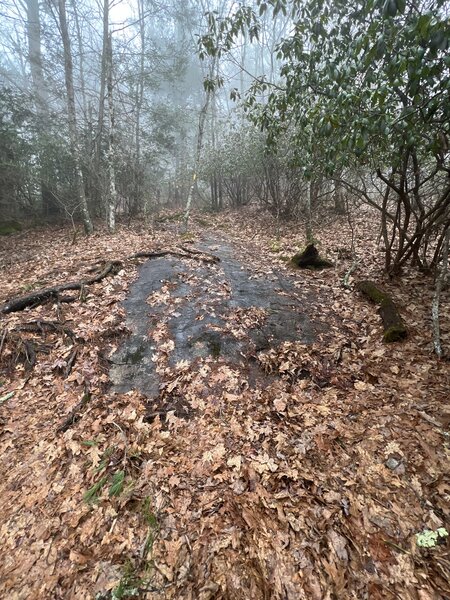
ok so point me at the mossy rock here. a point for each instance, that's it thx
(10, 227)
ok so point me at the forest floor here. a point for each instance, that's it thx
(301, 466)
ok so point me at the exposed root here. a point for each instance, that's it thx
(43, 295)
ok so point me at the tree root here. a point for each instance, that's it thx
(205, 256)
(187, 253)
(111, 268)
(394, 328)
(41, 327)
(75, 414)
(42, 296)
(25, 350)
(22, 350)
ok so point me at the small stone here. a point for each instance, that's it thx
(392, 463)
(395, 464)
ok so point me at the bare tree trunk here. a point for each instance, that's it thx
(440, 284)
(72, 118)
(40, 94)
(198, 152)
(139, 99)
(101, 100)
(339, 202)
(35, 56)
(308, 220)
(99, 183)
(112, 198)
(80, 59)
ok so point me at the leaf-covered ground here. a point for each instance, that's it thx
(310, 481)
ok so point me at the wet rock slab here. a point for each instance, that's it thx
(198, 325)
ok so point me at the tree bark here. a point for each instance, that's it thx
(112, 198)
(308, 220)
(440, 284)
(72, 118)
(41, 100)
(198, 152)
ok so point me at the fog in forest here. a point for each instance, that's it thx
(224, 299)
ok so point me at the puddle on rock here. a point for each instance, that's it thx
(205, 296)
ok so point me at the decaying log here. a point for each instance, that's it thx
(310, 259)
(43, 295)
(394, 327)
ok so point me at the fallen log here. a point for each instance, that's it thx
(43, 295)
(394, 327)
(310, 259)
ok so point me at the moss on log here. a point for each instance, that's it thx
(310, 259)
(394, 327)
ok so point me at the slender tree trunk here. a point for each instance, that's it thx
(441, 281)
(98, 183)
(198, 152)
(35, 56)
(80, 60)
(308, 221)
(72, 118)
(138, 104)
(101, 101)
(112, 198)
(40, 94)
(339, 202)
